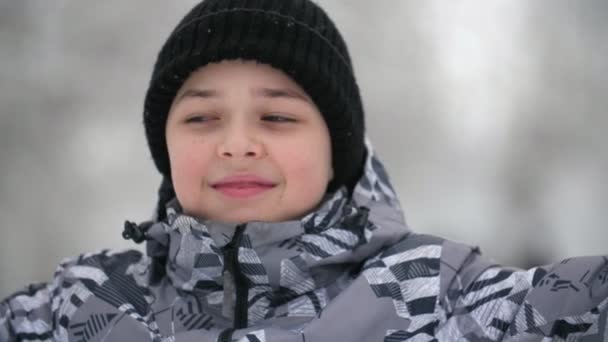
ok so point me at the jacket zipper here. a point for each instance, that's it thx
(231, 264)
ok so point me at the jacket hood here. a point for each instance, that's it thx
(307, 260)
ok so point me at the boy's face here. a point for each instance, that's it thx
(246, 143)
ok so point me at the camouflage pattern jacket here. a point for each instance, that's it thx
(349, 271)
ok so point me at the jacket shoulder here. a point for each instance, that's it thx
(31, 313)
(417, 271)
(26, 314)
(428, 256)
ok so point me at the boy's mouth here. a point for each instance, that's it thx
(242, 186)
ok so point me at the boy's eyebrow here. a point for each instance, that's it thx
(203, 93)
(262, 92)
(281, 92)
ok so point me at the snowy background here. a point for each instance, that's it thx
(489, 114)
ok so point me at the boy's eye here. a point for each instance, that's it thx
(277, 118)
(199, 118)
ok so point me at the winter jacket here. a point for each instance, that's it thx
(349, 271)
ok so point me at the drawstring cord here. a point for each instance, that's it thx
(362, 217)
(136, 232)
(359, 220)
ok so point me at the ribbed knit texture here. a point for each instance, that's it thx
(295, 36)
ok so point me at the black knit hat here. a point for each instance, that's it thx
(295, 36)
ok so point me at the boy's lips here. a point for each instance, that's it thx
(242, 186)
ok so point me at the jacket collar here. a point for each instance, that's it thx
(282, 260)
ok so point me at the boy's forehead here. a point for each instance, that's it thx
(214, 80)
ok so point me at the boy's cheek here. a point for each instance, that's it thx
(307, 177)
(187, 153)
(188, 170)
(310, 162)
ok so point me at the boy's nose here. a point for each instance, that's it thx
(240, 144)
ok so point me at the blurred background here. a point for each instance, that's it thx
(489, 114)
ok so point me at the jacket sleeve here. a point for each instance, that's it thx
(563, 301)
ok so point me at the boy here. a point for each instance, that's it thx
(275, 220)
